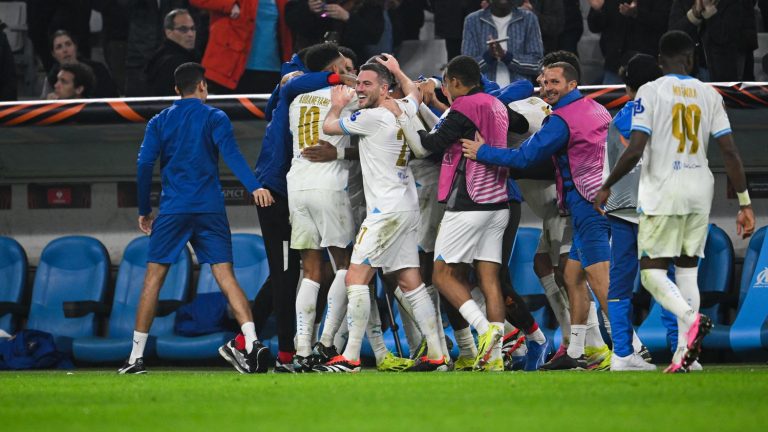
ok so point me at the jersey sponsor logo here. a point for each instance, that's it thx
(639, 108)
(678, 165)
(762, 279)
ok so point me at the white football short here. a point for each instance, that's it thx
(430, 215)
(320, 219)
(671, 236)
(469, 236)
(388, 241)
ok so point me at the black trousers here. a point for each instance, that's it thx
(517, 312)
(283, 268)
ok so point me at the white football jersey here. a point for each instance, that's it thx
(387, 179)
(306, 115)
(680, 114)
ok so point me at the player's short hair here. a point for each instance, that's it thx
(384, 74)
(170, 18)
(84, 76)
(465, 69)
(641, 69)
(59, 33)
(348, 53)
(562, 56)
(188, 76)
(676, 43)
(320, 56)
(569, 72)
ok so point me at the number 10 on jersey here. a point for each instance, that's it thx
(686, 120)
(309, 126)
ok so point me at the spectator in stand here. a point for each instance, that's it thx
(551, 15)
(145, 34)
(64, 51)
(407, 19)
(248, 39)
(178, 48)
(507, 60)
(7, 69)
(449, 22)
(724, 29)
(114, 36)
(573, 28)
(46, 16)
(627, 27)
(356, 23)
(73, 81)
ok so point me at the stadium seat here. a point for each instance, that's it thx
(251, 270)
(13, 279)
(130, 281)
(68, 290)
(749, 332)
(714, 279)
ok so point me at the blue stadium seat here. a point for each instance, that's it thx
(251, 270)
(71, 269)
(13, 279)
(714, 279)
(130, 281)
(749, 332)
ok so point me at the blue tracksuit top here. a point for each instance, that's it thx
(188, 138)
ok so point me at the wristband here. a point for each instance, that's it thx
(744, 198)
(340, 153)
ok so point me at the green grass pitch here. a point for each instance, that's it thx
(722, 398)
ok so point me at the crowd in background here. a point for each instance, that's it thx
(242, 43)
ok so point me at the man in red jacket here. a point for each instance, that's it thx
(243, 55)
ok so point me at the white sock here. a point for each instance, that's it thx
(559, 304)
(306, 303)
(667, 294)
(496, 350)
(593, 338)
(424, 315)
(474, 316)
(412, 331)
(578, 336)
(373, 331)
(340, 339)
(139, 342)
(607, 324)
(249, 331)
(358, 313)
(688, 284)
(479, 298)
(466, 342)
(435, 297)
(537, 336)
(637, 344)
(337, 308)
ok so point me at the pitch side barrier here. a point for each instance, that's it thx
(98, 139)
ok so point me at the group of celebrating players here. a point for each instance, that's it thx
(427, 190)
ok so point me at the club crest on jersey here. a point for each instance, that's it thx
(354, 115)
(639, 108)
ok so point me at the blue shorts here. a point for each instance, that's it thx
(624, 262)
(590, 232)
(208, 232)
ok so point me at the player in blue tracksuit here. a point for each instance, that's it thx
(622, 217)
(188, 137)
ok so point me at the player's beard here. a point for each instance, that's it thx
(370, 100)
